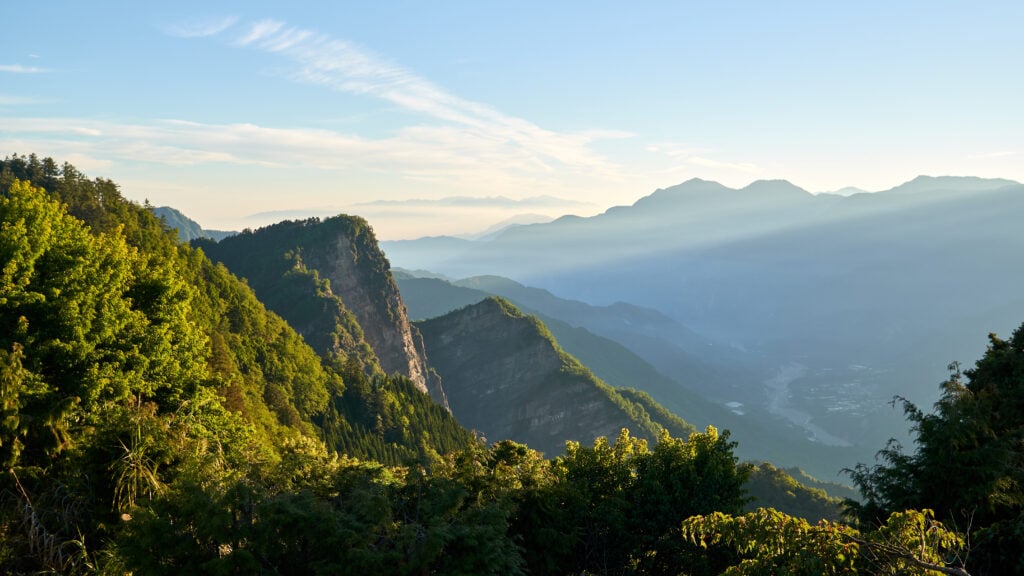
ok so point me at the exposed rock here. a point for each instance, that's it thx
(331, 281)
(360, 274)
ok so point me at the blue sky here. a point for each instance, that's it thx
(241, 113)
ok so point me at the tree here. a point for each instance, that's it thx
(969, 462)
(616, 508)
(770, 542)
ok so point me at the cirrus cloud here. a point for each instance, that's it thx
(21, 69)
(341, 65)
(201, 28)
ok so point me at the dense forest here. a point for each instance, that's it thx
(156, 418)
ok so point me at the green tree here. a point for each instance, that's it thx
(616, 508)
(969, 462)
(94, 323)
(103, 383)
(770, 542)
(771, 487)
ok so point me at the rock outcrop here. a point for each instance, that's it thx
(342, 262)
(360, 274)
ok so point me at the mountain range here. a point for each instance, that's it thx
(265, 402)
(631, 347)
(837, 303)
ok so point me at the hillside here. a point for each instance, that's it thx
(133, 368)
(187, 228)
(507, 378)
(331, 281)
(681, 391)
(659, 342)
(257, 363)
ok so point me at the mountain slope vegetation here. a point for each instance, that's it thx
(330, 280)
(507, 378)
(156, 418)
(265, 370)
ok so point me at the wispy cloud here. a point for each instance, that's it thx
(21, 69)
(11, 100)
(201, 28)
(736, 166)
(259, 30)
(441, 153)
(344, 66)
(606, 134)
(997, 154)
(699, 156)
(481, 202)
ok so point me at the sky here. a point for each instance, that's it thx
(431, 118)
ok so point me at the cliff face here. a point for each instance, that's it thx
(506, 378)
(360, 274)
(330, 280)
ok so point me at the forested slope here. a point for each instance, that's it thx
(331, 281)
(507, 378)
(155, 418)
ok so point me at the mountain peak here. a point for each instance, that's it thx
(698, 185)
(776, 188)
(694, 187)
(965, 184)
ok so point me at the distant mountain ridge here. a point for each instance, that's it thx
(698, 211)
(187, 228)
(619, 345)
(847, 300)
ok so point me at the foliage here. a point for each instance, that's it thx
(130, 364)
(616, 508)
(105, 381)
(106, 367)
(833, 489)
(675, 425)
(387, 419)
(969, 462)
(770, 542)
(276, 261)
(771, 487)
(481, 510)
(263, 369)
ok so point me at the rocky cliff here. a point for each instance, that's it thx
(506, 377)
(361, 275)
(300, 267)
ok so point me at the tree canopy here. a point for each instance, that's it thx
(969, 461)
